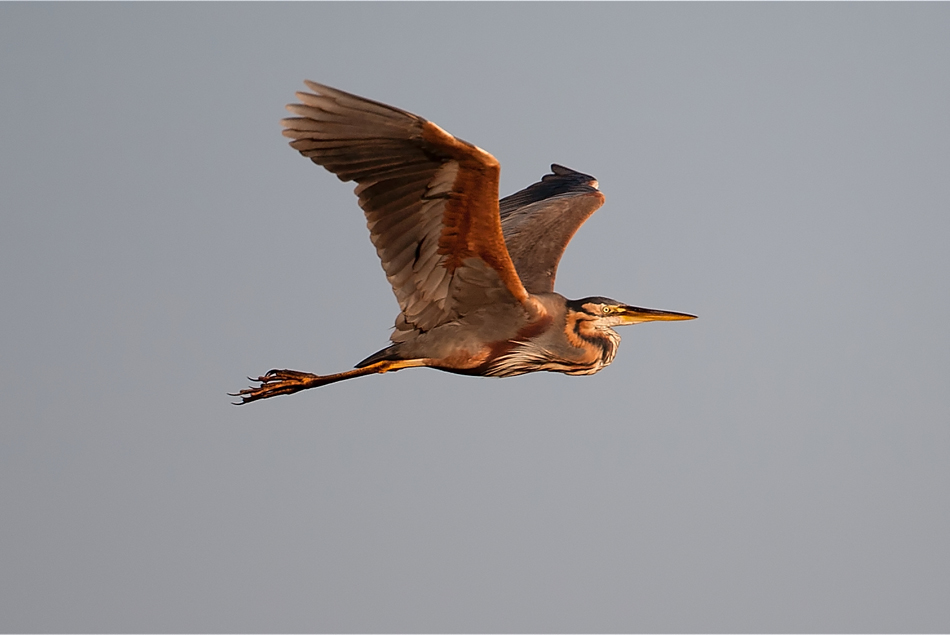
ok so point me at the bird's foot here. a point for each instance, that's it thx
(277, 382)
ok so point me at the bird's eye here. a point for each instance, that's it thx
(606, 309)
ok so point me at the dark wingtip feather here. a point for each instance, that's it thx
(560, 170)
(562, 180)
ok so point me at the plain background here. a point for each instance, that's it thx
(779, 464)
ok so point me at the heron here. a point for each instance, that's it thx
(473, 275)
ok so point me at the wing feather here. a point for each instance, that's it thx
(430, 200)
(539, 221)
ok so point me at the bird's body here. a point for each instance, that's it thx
(498, 341)
(473, 275)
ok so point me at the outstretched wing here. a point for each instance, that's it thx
(541, 219)
(430, 199)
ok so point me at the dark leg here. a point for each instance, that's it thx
(286, 382)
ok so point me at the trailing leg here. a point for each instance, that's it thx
(286, 382)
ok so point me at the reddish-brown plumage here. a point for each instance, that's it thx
(471, 224)
(474, 276)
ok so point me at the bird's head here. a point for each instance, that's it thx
(605, 312)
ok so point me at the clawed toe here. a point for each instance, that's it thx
(284, 375)
(275, 382)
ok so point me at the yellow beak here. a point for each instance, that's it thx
(636, 315)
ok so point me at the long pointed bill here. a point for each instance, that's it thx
(636, 315)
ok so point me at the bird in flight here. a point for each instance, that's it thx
(473, 275)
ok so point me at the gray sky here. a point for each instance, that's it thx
(780, 464)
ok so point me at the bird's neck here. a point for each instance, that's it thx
(604, 337)
(600, 342)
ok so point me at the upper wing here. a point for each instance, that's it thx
(540, 220)
(431, 201)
